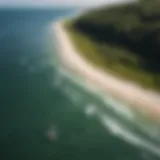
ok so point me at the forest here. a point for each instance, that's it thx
(124, 39)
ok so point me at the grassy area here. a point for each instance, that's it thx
(103, 56)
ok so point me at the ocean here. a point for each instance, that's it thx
(47, 112)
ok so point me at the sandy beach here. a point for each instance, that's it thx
(145, 100)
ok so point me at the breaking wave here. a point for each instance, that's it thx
(118, 119)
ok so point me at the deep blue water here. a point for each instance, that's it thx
(36, 97)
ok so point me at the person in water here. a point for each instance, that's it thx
(52, 133)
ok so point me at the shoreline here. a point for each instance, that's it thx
(134, 95)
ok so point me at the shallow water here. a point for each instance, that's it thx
(39, 96)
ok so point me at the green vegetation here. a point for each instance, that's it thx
(122, 39)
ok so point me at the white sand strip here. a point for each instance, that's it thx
(131, 93)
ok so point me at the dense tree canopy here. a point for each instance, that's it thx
(133, 28)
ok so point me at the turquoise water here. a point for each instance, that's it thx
(39, 96)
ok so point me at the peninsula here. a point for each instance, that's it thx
(107, 47)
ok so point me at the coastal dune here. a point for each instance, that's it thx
(145, 100)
